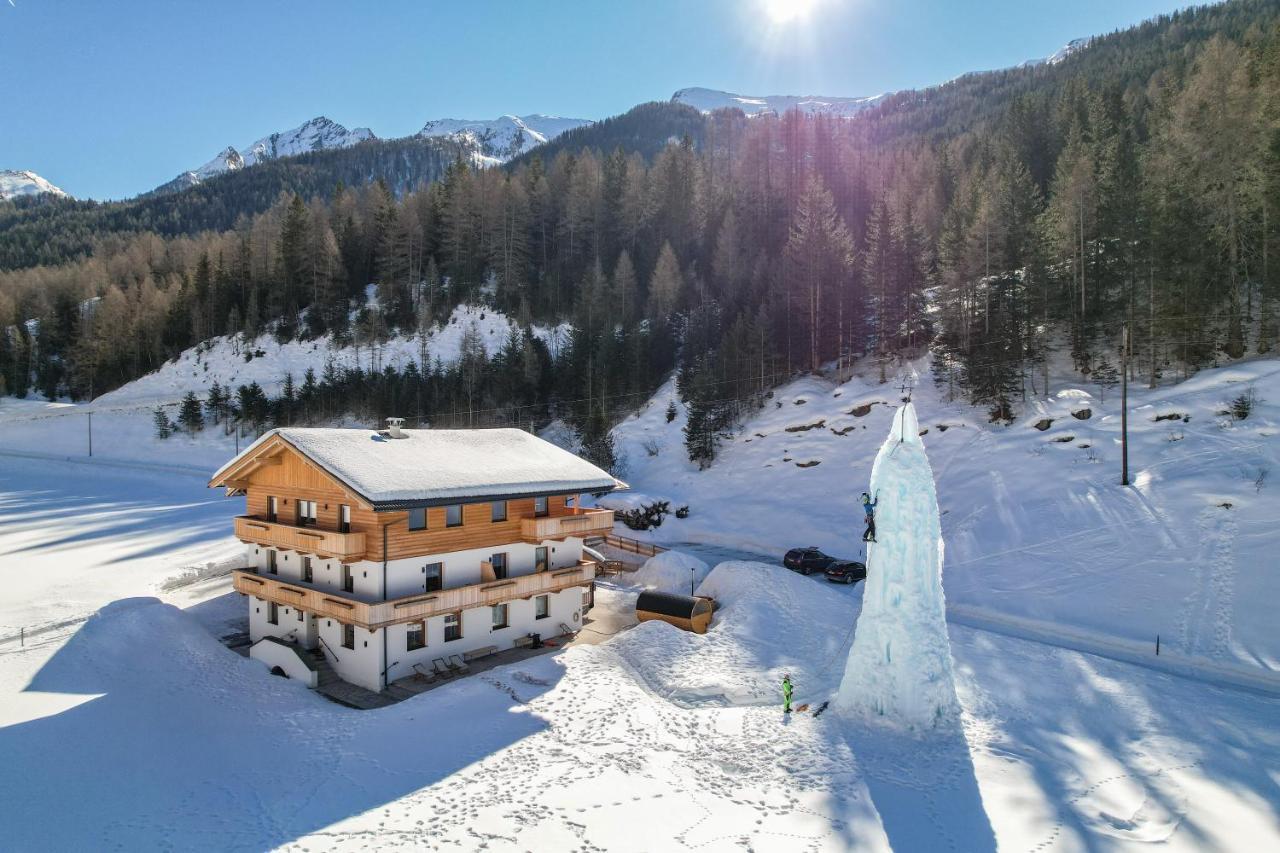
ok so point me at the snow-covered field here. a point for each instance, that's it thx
(124, 723)
(1040, 538)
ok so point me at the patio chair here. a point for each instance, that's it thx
(442, 669)
(421, 670)
(456, 662)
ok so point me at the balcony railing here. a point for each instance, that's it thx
(581, 522)
(304, 540)
(346, 608)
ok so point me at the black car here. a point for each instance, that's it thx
(806, 561)
(845, 571)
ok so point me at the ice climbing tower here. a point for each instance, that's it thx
(899, 667)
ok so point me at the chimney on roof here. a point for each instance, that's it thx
(393, 428)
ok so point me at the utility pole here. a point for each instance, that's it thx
(1124, 406)
(90, 414)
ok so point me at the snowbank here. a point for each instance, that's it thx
(670, 571)
(770, 622)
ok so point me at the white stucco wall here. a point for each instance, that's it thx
(477, 631)
(273, 655)
(361, 665)
(290, 628)
(461, 568)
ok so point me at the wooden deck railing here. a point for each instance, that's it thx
(304, 540)
(581, 522)
(346, 608)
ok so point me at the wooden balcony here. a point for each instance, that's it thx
(304, 540)
(581, 523)
(346, 608)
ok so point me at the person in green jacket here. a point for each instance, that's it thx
(786, 693)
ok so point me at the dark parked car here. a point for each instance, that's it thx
(806, 561)
(846, 571)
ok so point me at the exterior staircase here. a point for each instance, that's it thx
(324, 669)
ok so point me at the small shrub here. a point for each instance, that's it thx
(671, 412)
(683, 512)
(647, 516)
(1242, 406)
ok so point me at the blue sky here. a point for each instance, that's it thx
(107, 99)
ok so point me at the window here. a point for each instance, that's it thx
(271, 509)
(348, 582)
(344, 519)
(271, 563)
(418, 518)
(498, 511)
(417, 637)
(307, 574)
(273, 613)
(570, 500)
(499, 563)
(541, 607)
(499, 616)
(540, 559)
(434, 579)
(452, 627)
(453, 515)
(348, 636)
(306, 513)
(540, 507)
(302, 617)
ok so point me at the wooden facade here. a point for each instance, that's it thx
(278, 471)
(345, 608)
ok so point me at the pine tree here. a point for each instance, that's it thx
(164, 428)
(190, 415)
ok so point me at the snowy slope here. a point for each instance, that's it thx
(708, 100)
(230, 360)
(500, 139)
(1039, 535)
(318, 134)
(14, 183)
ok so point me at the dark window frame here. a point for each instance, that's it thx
(454, 631)
(420, 629)
(438, 576)
(544, 600)
(541, 507)
(348, 631)
(506, 616)
(497, 512)
(273, 613)
(448, 513)
(416, 514)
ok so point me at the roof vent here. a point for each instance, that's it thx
(393, 428)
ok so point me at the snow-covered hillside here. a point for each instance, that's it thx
(231, 360)
(708, 100)
(1040, 538)
(318, 134)
(500, 139)
(23, 182)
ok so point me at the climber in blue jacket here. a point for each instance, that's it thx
(869, 507)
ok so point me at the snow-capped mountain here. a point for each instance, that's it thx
(1072, 47)
(318, 134)
(500, 139)
(707, 100)
(23, 182)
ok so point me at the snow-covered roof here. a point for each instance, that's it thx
(438, 466)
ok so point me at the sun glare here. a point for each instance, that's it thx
(787, 11)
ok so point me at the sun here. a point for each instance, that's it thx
(787, 11)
